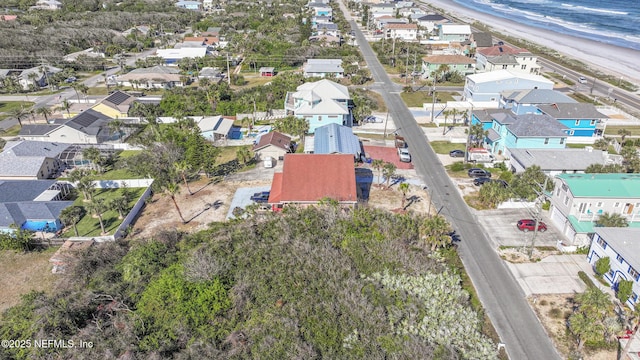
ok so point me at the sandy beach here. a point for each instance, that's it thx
(614, 60)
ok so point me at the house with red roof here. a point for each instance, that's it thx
(306, 179)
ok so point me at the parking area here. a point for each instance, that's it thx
(242, 198)
(555, 274)
(388, 154)
(500, 226)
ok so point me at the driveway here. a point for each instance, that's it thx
(555, 274)
(500, 227)
(388, 154)
(242, 198)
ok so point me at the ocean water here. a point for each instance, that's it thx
(615, 22)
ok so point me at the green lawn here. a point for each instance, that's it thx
(443, 147)
(417, 98)
(117, 174)
(613, 130)
(577, 146)
(90, 226)
(12, 131)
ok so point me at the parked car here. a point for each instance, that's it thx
(260, 197)
(582, 80)
(478, 173)
(530, 225)
(456, 153)
(404, 155)
(70, 79)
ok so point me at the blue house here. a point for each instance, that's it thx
(527, 101)
(32, 204)
(525, 131)
(582, 119)
(335, 139)
(320, 103)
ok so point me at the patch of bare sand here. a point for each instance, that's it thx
(22, 273)
(391, 199)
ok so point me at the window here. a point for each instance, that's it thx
(561, 141)
(523, 67)
(577, 122)
(616, 205)
(546, 141)
(558, 192)
(602, 243)
(592, 123)
(620, 259)
(633, 273)
(599, 204)
(571, 132)
(564, 187)
(634, 297)
(566, 200)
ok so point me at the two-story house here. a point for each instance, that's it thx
(115, 105)
(30, 160)
(406, 32)
(323, 68)
(430, 22)
(504, 57)
(321, 9)
(461, 64)
(582, 119)
(509, 131)
(458, 33)
(320, 103)
(622, 247)
(88, 127)
(579, 199)
(527, 101)
(488, 86)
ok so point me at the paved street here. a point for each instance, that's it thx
(502, 297)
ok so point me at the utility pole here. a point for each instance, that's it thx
(406, 71)
(385, 126)
(228, 71)
(538, 212)
(433, 91)
(466, 150)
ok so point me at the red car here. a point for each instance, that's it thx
(530, 225)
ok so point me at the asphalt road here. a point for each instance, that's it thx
(503, 299)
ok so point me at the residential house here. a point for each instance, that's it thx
(115, 105)
(267, 71)
(208, 42)
(430, 22)
(485, 117)
(33, 205)
(48, 5)
(622, 247)
(461, 64)
(320, 103)
(307, 179)
(334, 139)
(189, 5)
(320, 9)
(582, 119)
(385, 20)
(531, 131)
(88, 127)
(454, 32)
(90, 52)
(527, 101)
(173, 56)
(406, 32)
(382, 9)
(215, 128)
(207, 5)
(30, 160)
(579, 199)
(323, 68)
(272, 145)
(325, 40)
(488, 86)
(504, 57)
(481, 40)
(318, 20)
(157, 77)
(36, 76)
(330, 29)
(556, 161)
(210, 73)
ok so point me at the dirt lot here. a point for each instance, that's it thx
(22, 273)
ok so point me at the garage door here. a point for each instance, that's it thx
(557, 218)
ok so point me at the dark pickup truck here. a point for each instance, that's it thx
(261, 197)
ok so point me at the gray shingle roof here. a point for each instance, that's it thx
(534, 125)
(558, 159)
(19, 212)
(30, 155)
(572, 111)
(22, 190)
(537, 96)
(336, 139)
(34, 148)
(40, 129)
(486, 115)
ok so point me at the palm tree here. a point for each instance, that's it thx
(83, 182)
(19, 114)
(601, 144)
(94, 155)
(66, 106)
(243, 154)
(171, 189)
(115, 126)
(635, 315)
(98, 207)
(611, 220)
(435, 232)
(71, 216)
(388, 170)
(44, 111)
(120, 204)
(446, 114)
(404, 188)
(378, 164)
(183, 168)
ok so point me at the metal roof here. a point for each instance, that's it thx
(624, 241)
(572, 111)
(336, 139)
(537, 96)
(612, 185)
(559, 159)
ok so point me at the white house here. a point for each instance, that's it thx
(622, 247)
(488, 86)
(157, 77)
(406, 32)
(503, 57)
(323, 68)
(173, 56)
(557, 161)
(579, 199)
(454, 32)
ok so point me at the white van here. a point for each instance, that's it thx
(268, 162)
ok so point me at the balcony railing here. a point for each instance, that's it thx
(593, 216)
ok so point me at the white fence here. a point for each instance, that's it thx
(262, 115)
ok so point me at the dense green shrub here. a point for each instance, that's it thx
(625, 288)
(603, 265)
